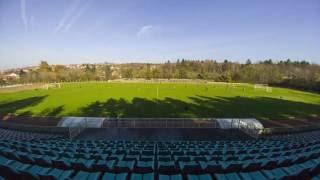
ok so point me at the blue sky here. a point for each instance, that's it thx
(79, 31)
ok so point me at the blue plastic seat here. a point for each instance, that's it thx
(82, 175)
(11, 170)
(115, 176)
(67, 155)
(81, 156)
(146, 158)
(313, 166)
(115, 157)
(203, 153)
(229, 158)
(43, 160)
(144, 166)
(198, 158)
(191, 153)
(251, 165)
(164, 158)
(252, 175)
(124, 166)
(284, 161)
(232, 166)
(119, 152)
(269, 163)
(103, 165)
(170, 177)
(317, 177)
(296, 170)
(57, 174)
(211, 167)
(229, 176)
(82, 164)
(190, 167)
(62, 163)
(147, 176)
(25, 158)
(131, 158)
(182, 158)
(134, 152)
(177, 153)
(147, 152)
(199, 177)
(277, 173)
(164, 152)
(4, 161)
(99, 156)
(166, 166)
(33, 172)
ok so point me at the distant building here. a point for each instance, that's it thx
(13, 76)
(25, 70)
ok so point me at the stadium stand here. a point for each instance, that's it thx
(49, 157)
(7, 134)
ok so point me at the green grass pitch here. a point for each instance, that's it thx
(161, 100)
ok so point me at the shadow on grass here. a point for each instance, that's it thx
(26, 117)
(52, 111)
(13, 106)
(197, 106)
(200, 106)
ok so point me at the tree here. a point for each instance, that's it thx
(2, 81)
(148, 72)
(269, 61)
(182, 73)
(286, 73)
(44, 66)
(107, 72)
(248, 62)
(90, 72)
(127, 73)
(156, 73)
(167, 70)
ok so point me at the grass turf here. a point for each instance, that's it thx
(160, 100)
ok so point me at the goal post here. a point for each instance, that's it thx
(265, 87)
(52, 85)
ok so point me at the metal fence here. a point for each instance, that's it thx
(246, 127)
(287, 130)
(160, 123)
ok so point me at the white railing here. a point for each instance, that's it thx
(247, 127)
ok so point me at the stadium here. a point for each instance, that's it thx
(158, 131)
(159, 90)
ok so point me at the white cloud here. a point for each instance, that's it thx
(66, 16)
(72, 14)
(76, 16)
(145, 30)
(23, 14)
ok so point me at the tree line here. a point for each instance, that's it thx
(292, 74)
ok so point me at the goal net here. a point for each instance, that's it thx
(263, 87)
(52, 85)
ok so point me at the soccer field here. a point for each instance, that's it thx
(161, 100)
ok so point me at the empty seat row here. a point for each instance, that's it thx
(14, 170)
(19, 135)
(271, 158)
